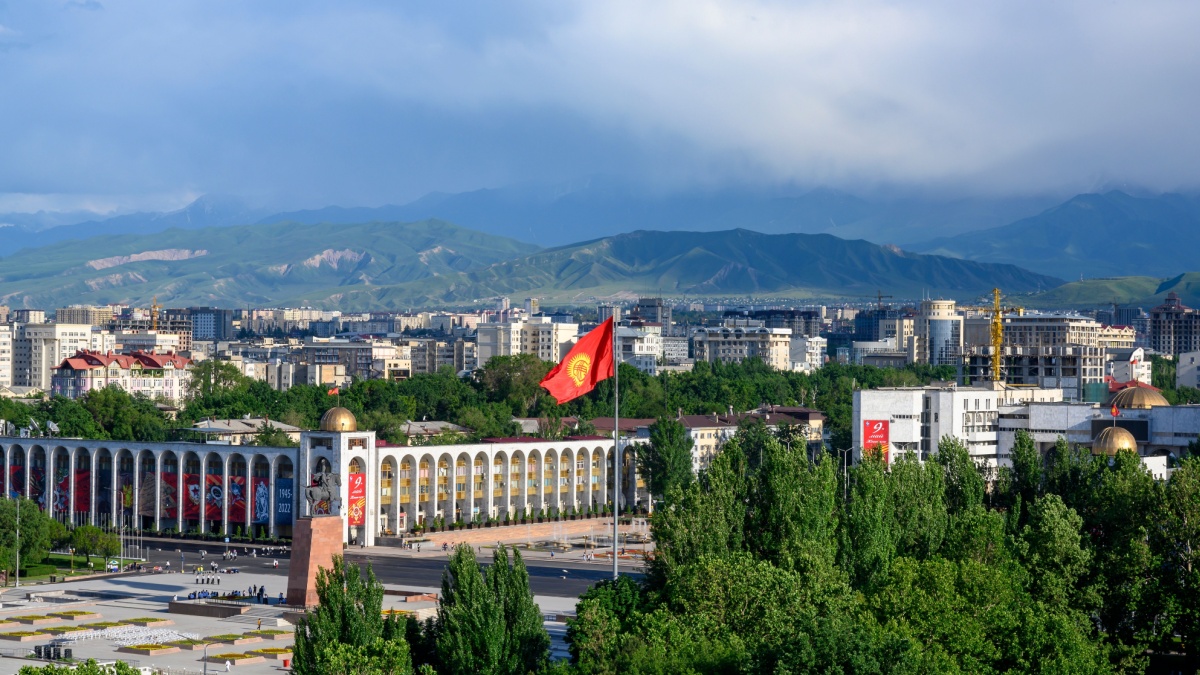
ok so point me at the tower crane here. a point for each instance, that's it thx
(154, 307)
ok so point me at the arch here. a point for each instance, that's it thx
(59, 502)
(148, 493)
(501, 486)
(213, 492)
(566, 480)
(481, 486)
(191, 499)
(236, 501)
(284, 496)
(548, 477)
(82, 479)
(387, 499)
(517, 475)
(17, 471)
(462, 486)
(447, 508)
(258, 495)
(105, 496)
(426, 488)
(407, 503)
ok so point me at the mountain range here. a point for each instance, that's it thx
(1091, 235)
(398, 265)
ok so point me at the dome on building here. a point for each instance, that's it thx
(1110, 440)
(338, 419)
(1139, 398)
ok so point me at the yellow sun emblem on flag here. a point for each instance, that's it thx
(578, 367)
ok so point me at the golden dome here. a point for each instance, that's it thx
(1110, 440)
(1139, 398)
(338, 419)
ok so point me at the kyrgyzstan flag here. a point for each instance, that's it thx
(588, 362)
(333, 392)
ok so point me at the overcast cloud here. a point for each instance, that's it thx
(118, 105)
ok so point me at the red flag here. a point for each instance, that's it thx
(333, 392)
(1114, 412)
(588, 362)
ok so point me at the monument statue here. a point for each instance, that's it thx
(325, 489)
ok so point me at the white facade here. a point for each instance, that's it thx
(1187, 370)
(808, 353)
(641, 349)
(1129, 364)
(539, 336)
(913, 420)
(39, 348)
(146, 341)
(6, 355)
(734, 345)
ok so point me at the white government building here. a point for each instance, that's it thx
(906, 420)
(384, 489)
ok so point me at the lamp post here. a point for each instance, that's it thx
(17, 583)
(205, 658)
(71, 549)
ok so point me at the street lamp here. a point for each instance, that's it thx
(71, 549)
(205, 658)
(18, 577)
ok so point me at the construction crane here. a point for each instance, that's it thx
(997, 334)
(879, 296)
(154, 307)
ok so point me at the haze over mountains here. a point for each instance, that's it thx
(700, 243)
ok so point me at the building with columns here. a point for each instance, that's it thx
(385, 490)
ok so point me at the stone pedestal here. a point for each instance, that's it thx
(315, 541)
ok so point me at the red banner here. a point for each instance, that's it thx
(213, 497)
(83, 491)
(170, 497)
(237, 501)
(358, 499)
(876, 437)
(16, 481)
(193, 496)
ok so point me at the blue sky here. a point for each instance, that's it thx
(110, 105)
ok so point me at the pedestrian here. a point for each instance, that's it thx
(281, 597)
(228, 666)
(276, 564)
(260, 624)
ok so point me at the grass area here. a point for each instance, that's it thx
(147, 619)
(23, 633)
(32, 617)
(187, 642)
(232, 656)
(149, 647)
(74, 612)
(273, 650)
(269, 631)
(101, 625)
(226, 637)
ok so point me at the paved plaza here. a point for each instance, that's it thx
(123, 597)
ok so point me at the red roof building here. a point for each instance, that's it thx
(157, 376)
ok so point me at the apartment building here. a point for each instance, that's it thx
(37, 349)
(539, 335)
(157, 376)
(6, 355)
(1173, 328)
(88, 314)
(734, 345)
(808, 353)
(641, 349)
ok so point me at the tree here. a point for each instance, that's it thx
(381, 657)
(272, 437)
(667, 460)
(36, 530)
(488, 624)
(108, 545)
(1178, 544)
(964, 484)
(1021, 483)
(85, 539)
(212, 377)
(1051, 549)
(349, 611)
(89, 667)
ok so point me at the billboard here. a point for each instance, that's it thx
(192, 496)
(37, 486)
(147, 494)
(261, 498)
(283, 501)
(126, 492)
(214, 496)
(83, 491)
(875, 438)
(237, 500)
(16, 484)
(170, 495)
(62, 493)
(358, 499)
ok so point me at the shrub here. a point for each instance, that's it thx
(151, 646)
(38, 570)
(225, 637)
(232, 656)
(273, 650)
(24, 633)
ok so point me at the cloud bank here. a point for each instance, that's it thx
(310, 103)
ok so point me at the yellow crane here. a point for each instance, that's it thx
(997, 334)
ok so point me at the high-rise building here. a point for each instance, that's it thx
(1174, 328)
(545, 339)
(95, 316)
(6, 355)
(606, 312)
(655, 310)
(734, 345)
(39, 348)
(211, 324)
(28, 316)
(938, 329)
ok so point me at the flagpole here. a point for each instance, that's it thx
(616, 444)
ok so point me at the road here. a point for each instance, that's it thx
(553, 577)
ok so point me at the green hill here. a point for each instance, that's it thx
(730, 263)
(1091, 235)
(1145, 292)
(258, 265)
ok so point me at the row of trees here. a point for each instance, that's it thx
(775, 562)
(39, 534)
(487, 623)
